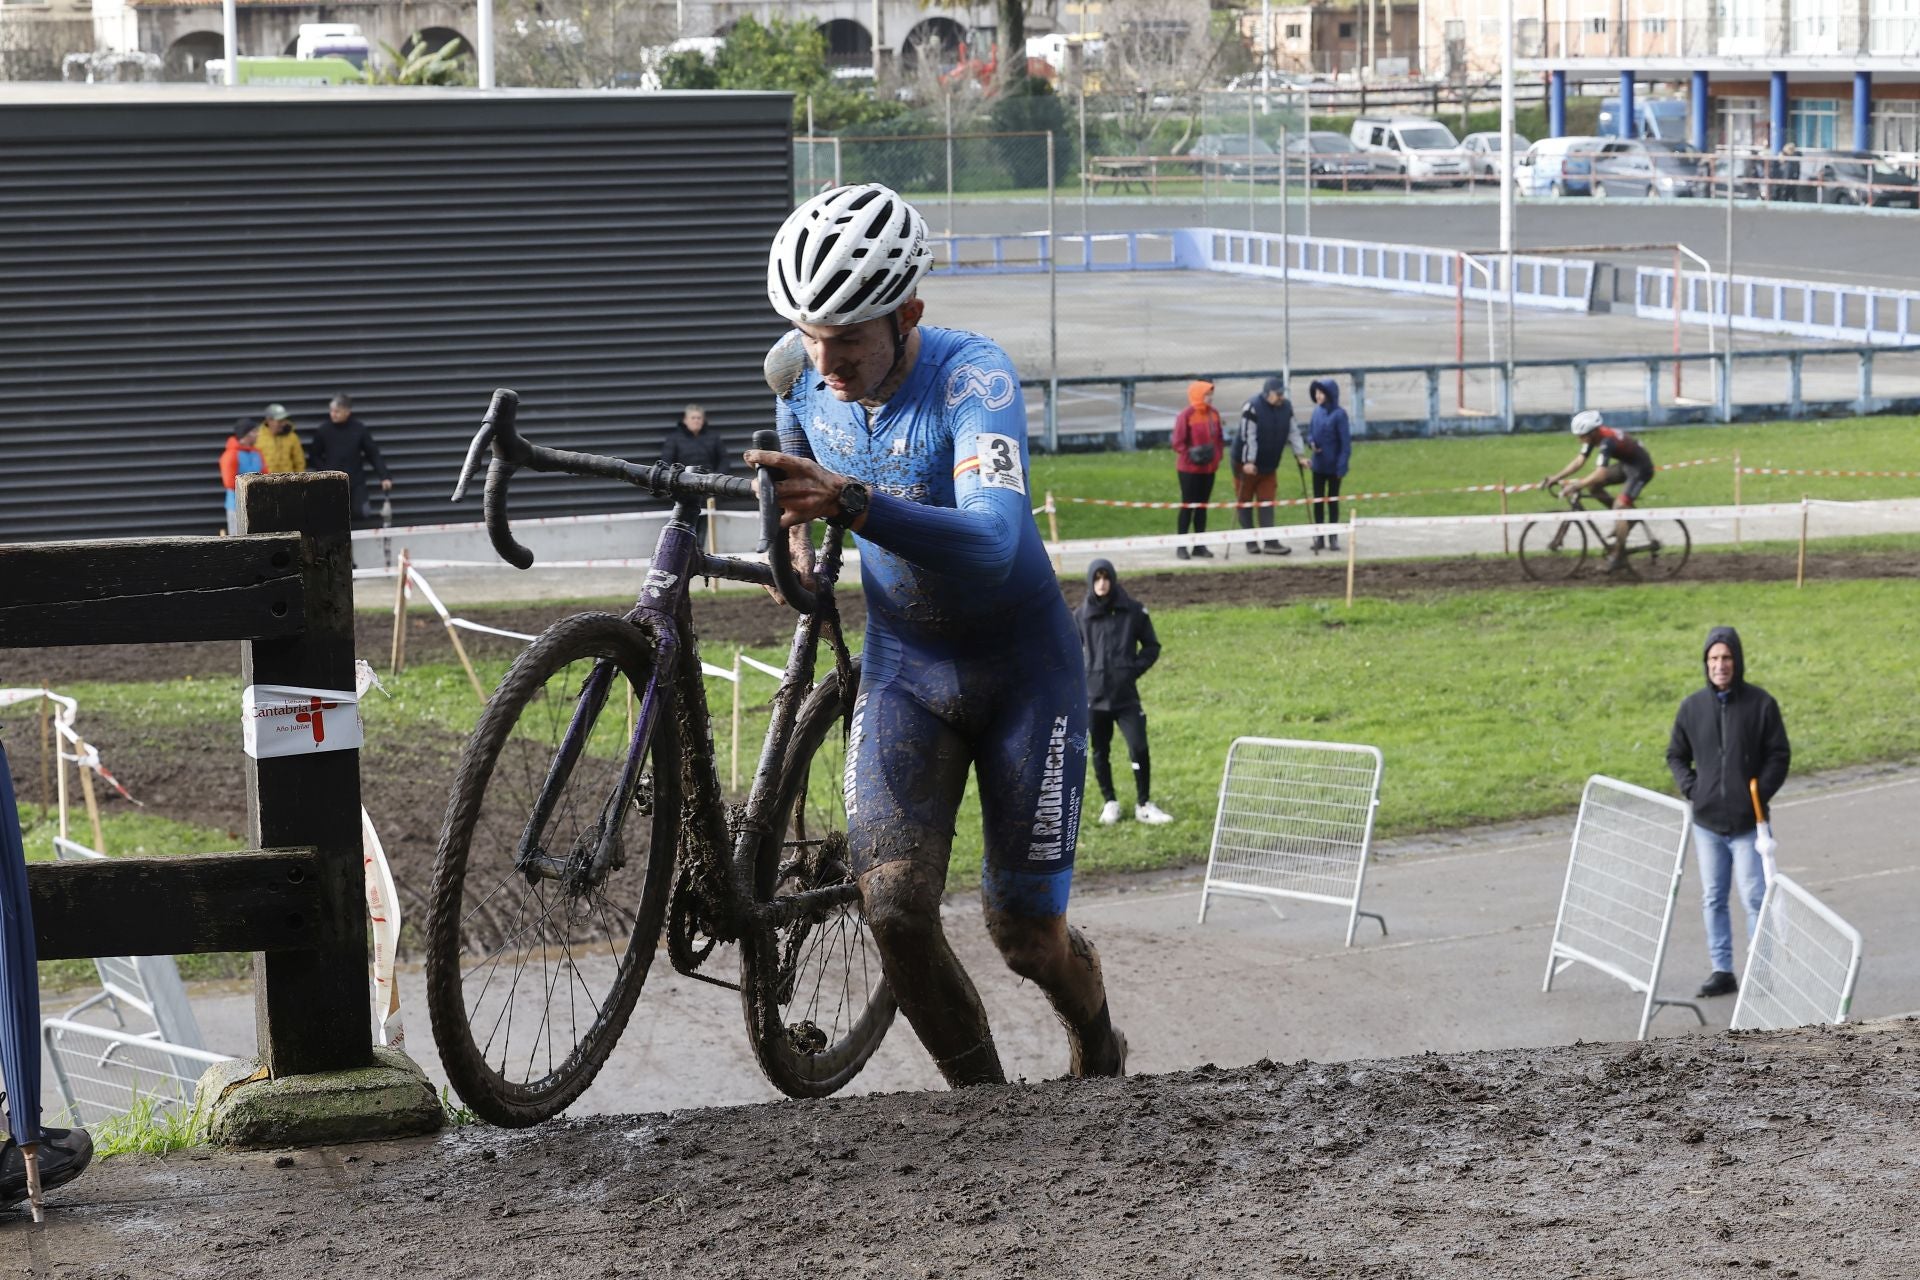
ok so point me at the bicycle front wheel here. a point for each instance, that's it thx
(1551, 551)
(817, 1003)
(537, 945)
(1658, 549)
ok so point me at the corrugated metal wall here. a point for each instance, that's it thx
(170, 262)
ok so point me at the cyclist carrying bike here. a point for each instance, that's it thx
(915, 438)
(1623, 460)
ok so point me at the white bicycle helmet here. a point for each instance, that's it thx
(1586, 421)
(847, 255)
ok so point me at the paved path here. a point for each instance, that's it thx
(1471, 915)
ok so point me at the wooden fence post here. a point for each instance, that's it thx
(311, 1007)
(46, 758)
(1800, 573)
(1736, 496)
(1353, 539)
(397, 657)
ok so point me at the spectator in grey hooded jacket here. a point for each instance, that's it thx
(1267, 430)
(1118, 643)
(1727, 738)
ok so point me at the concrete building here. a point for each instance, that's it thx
(1336, 39)
(1761, 73)
(36, 34)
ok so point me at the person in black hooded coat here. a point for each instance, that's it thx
(1728, 740)
(1117, 640)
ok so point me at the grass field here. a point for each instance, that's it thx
(1398, 466)
(1488, 706)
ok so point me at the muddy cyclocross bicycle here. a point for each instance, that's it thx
(1554, 551)
(587, 818)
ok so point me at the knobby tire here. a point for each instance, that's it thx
(461, 869)
(785, 998)
(1542, 565)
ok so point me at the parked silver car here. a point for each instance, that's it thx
(1641, 167)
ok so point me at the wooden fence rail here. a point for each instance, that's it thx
(295, 898)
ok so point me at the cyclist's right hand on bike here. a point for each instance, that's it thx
(1546, 482)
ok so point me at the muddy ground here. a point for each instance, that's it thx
(405, 782)
(1791, 1154)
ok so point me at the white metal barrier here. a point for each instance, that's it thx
(102, 1072)
(1623, 874)
(1802, 962)
(1552, 283)
(1295, 820)
(1769, 304)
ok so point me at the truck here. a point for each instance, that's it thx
(1659, 119)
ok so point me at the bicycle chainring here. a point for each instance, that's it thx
(689, 940)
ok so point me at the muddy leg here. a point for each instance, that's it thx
(1058, 958)
(902, 901)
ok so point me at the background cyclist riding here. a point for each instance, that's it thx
(915, 438)
(1623, 460)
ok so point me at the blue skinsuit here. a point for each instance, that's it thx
(971, 656)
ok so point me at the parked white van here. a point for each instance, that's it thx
(1423, 149)
(1557, 167)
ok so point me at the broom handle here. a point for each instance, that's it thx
(1753, 789)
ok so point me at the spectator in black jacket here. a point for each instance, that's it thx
(1267, 431)
(1117, 640)
(1726, 736)
(690, 444)
(342, 443)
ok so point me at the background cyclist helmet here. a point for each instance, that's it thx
(846, 256)
(1589, 420)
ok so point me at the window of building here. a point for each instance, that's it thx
(1597, 26)
(1653, 26)
(1346, 31)
(1739, 19)
(1739, 122)
(1528, 39)
(1815, 26)
(1293, 31)
(1896, 126)
(1893, 26)
(1811, 122)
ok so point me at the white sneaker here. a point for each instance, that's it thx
(1109, 813)
(1151, 814)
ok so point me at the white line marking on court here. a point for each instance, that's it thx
(1870, 875)
(1846, 795)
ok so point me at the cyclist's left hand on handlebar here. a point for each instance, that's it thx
(808, 492)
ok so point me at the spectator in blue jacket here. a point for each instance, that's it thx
(1331, 439)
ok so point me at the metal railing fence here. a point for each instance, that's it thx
(1384, 401)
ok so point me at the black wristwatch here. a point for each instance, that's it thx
(854, 497)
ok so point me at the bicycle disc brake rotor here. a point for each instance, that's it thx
(817, 867)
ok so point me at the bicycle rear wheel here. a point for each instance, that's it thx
(1658, 549)
(534, 957)
(1544, 560)
(817, 1003)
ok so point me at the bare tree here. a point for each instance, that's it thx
(580, 44)
(1158, 56)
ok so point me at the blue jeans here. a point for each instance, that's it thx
(1724, 860)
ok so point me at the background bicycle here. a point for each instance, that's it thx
(1556, 550)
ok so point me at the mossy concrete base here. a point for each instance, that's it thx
(244, 1108)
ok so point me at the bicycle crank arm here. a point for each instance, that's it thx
(813, 903)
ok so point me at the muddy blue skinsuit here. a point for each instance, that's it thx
(971, 656)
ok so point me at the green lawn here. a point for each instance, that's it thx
(1398, 466)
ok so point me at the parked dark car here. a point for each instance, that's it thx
(1642, 167)
(1235, 155)
(1330, 159)
(1857, 177)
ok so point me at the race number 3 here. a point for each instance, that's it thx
(1000, 463)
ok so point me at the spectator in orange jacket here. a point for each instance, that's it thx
(1198, 443)
(241, 458)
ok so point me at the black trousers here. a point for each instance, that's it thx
(1133, 728)
(1194, 487)
(1326, 487)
